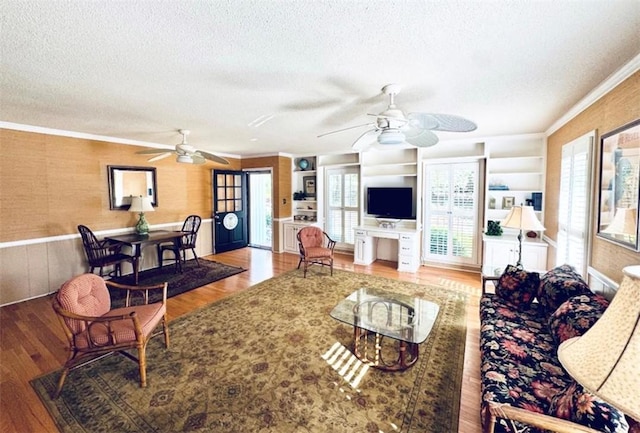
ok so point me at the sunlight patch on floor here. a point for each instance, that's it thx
(345, 363)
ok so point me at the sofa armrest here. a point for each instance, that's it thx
(534, 419)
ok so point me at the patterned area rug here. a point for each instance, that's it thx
(192, 276)
(271, 359)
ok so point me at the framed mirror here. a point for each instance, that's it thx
(125, 182)
(620, 185)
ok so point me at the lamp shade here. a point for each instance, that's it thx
(522, 218)
(141, 204)
(606, 359)
(623, 223)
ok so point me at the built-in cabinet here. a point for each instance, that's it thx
(513, 169)
(499, 251)
(290, 236)
(393, 167)
(305, 189)
(515, 175)
(406, 241)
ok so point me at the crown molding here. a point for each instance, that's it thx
(605, 87)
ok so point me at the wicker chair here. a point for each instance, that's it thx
(188, 242)
(101, 254)
(93, 329)
(316, 247)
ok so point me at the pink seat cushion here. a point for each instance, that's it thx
(317, 252)
(123, 331)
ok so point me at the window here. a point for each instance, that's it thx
(574, 201)
(342, 204)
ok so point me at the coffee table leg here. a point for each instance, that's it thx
(407, 352)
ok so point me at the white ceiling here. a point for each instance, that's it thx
(141, 70)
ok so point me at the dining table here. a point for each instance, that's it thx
(137, 242)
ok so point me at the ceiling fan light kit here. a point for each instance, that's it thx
(391, 136)
(393, 127)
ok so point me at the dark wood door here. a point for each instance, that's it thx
(229, 210)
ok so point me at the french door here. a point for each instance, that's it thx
(451, 232)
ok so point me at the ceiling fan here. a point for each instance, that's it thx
(393, 127)
(187, 154)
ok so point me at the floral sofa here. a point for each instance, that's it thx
(522, 324)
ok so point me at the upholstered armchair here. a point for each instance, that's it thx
(316, 247)
(93, 328)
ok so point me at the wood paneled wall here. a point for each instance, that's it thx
(50, 184)
(618, 107)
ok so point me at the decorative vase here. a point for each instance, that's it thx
(142, 227)
(303, 164)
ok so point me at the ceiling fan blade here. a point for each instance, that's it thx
(364, 140)
(441, 122)
(212, 157)
(161, 156)
(420, 137)
(152, 151)
(346, 129)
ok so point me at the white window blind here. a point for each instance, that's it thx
(574, 201)
(342, 204)
(451, 212)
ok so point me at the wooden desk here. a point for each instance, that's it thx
(137, 242)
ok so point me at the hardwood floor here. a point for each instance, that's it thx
(32, 342)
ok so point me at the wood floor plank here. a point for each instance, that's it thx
(32, 342)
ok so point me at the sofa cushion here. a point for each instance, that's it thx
(520, 335)
(558, 285)
(518, 286)
(576, 315)
(576, 404)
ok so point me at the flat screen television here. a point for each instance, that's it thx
(390, 202)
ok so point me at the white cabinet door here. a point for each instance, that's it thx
(534, 256)
(497, 255)
(291, 238)
(363, 252)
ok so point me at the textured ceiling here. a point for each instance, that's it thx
(141, 70)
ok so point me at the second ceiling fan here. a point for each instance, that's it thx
(393, 127)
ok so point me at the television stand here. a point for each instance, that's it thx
(366, 246)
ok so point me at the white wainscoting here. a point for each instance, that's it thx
(38, 267)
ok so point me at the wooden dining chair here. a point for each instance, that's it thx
(102, 254)
(190, 227)
(93, 329)
(316, 247)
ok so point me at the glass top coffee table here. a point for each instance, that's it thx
(375, 314)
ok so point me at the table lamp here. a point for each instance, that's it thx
(624, 224)
(522, 218)
(141, 205)
(606, 359)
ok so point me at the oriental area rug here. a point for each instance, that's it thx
(191, 277)
(271, 359)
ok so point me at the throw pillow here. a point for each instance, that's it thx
(576, 315)
(517, 286)
(558, 285)
(576, 404)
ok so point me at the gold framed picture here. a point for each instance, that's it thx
(507, 202)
